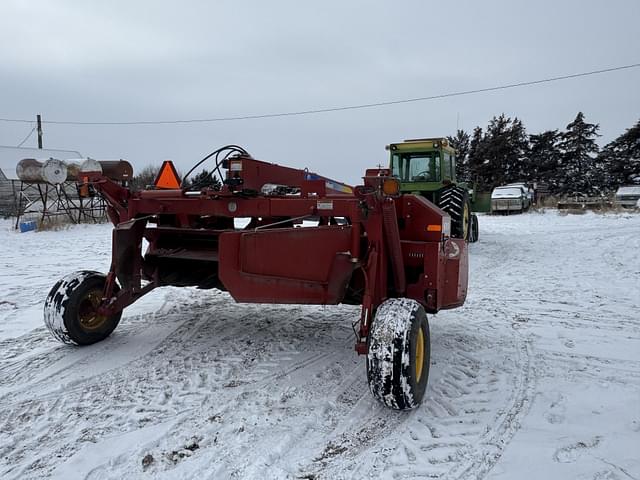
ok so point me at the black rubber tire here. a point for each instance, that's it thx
(63, 306)
(474, 231)
(392, 360)
(454, 200)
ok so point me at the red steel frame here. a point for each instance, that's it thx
(368, 246)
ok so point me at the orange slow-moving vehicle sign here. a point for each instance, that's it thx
(167, 176)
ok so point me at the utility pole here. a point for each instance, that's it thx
(39, 121)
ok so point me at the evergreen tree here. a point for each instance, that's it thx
(495, 148)
(621, 159)
(461, 143)
(517, 163)
(579, 171)
(205, 179)
(475, 159)
(544, 159)
(500, 155)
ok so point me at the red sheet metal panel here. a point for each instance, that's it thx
(456, 273)
(418, 213)
(288, 265)
(256, 173)
(443, 283)
(304, 254)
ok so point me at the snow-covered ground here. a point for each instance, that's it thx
(537, 376)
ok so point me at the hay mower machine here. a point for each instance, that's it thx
(304, 239)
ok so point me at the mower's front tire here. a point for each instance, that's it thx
(70, 309)
(399, 354)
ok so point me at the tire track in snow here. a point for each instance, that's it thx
(32, 372)
(506, 424)
(459, 431)
(204, 355)
(279, 397)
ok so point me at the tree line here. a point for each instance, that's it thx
(567, 162)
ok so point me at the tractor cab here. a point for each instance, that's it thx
(423, 166)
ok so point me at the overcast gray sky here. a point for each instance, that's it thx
(159, 60)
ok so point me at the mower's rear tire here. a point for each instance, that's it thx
(399, 354)
(455, 201)
(70, 309)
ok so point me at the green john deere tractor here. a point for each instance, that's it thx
(427, 166)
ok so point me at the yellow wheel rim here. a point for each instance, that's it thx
(419, 354)
(88, 315)
(465, 221)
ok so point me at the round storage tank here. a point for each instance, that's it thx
(50, 171)
(91, 165)
(117, 169)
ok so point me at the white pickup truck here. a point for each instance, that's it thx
(628, 196)
(510, 198)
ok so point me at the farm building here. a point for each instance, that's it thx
(9, 182)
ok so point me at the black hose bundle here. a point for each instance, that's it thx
(220, 155)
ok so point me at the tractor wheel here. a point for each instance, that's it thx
(70, 309)
(455, 201)
(474, 233)
(399, 354)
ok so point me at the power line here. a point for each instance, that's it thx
(343, 108)
(26, 138)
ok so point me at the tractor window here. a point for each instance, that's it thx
(416, 167)
(446, 167)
